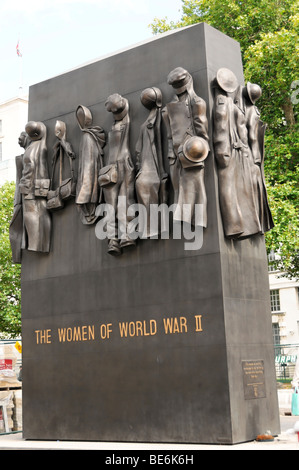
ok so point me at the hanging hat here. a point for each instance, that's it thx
(60, 129)
(35, 130)
(118, 105)
(254, 92)
(193, 152)
(227, 80)
(84, 116)
(151, 97)
(179, 79)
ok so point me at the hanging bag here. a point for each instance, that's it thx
(54, 202)
(108, 175)
(68, 186)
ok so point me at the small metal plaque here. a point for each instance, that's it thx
(254, 379)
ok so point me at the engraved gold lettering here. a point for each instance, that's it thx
(69, 334)
(43, 336)
(84, 333)
(198, 325)
(138, 328)
(132, 329)
(77, 333)
(123, 329)
(90, 332)
(174, 325)
(106, 330)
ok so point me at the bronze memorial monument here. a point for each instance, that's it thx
(139, 221)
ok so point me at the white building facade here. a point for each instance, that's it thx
(285, 309)
(284, 295)
(13, 118)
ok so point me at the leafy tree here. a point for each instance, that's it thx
(10, 274)
(244, 21)
(283, 238)
(268, 33)
(273, 61)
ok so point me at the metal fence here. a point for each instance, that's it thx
(285, 361)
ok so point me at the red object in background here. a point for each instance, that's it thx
(5, 364)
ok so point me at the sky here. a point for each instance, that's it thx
(55, 36)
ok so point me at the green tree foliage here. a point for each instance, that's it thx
(273, 61)
(283, 238)
(244, 21)
(268, 33)
(10, 274)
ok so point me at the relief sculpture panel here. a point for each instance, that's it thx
(16, 226)
(93, 140)
(112, 178)
(63, 182)
(34, 186)
(239, 151)
(151, 178)
(118, 175)
(188, 147)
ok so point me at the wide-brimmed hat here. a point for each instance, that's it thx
(35, 130)
(151, 97)
(254, 91)
(227, 80)
(193, 152)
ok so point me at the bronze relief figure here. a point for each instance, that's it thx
(34, 186)
(63, 182)
(151, 178)
(188, 147)
(16, 226)
(93, 140)
(117, 176)
(239, 151)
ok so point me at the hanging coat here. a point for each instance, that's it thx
(185, 119)
(256, 137)
(151, 178)
(88, 194)
(16, 224)
(239, 173)
(34, 186)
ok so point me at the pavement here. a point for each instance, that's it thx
(287, 440)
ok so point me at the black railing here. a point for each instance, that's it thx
(285, 361)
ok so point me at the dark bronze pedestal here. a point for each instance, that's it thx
(162, 343)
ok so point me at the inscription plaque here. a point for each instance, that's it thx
(253, 379)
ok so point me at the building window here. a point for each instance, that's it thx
(271, 259)
(275, 300)
(0, 151)
(276, 337)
